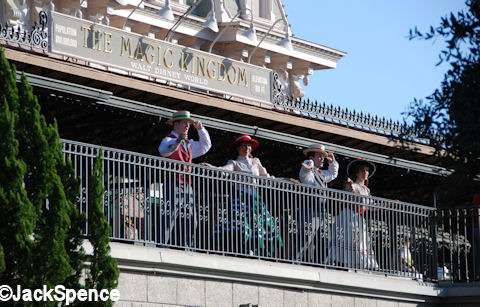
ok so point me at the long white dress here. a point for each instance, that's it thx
(350, 241)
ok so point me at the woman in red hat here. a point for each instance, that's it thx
(249, 214)
(351, 243)
(245, 162)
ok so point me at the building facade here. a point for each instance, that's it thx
(112, 73)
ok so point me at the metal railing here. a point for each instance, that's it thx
(458, 242)
(343, 116)
(35, 38)
(167, 203)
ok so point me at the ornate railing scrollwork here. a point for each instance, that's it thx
(37, 38)
(280, 95)
(330, 113)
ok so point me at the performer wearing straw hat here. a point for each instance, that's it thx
(311, 171)
(179, 192)
(310, 215)
(177, 146)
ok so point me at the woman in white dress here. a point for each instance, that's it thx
(351, 244)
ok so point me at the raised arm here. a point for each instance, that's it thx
(332, 172)
(203, 145)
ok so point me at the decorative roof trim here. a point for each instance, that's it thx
(36, 38)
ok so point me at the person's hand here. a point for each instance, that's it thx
(330, 157)
(181, 137)
(308, 165)
(206, 164)
(292, 180)
(197, 125)
(350, 182)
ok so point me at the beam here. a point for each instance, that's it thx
(201, 98)
(106, 98)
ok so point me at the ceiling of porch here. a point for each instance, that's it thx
(84, 119)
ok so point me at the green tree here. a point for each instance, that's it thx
(8, 86)
(34, 149)
(41, 228)
(103, 271)
(71, 238)
(37, 144)
(77, 223)
(18, 215)
(449, 118)
(59, 225)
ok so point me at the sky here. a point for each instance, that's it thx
(383, 70)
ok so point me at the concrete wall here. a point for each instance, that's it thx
(163, 277)
(144, 289)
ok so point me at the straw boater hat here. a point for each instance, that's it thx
(353, 165)
(315, 148)
(179, 115)
(244, 138)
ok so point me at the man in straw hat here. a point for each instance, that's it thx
(311, 171)
(310, 215)
(177, 146)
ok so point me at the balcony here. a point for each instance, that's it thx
(146, 203)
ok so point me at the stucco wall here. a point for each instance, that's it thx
(164, 277)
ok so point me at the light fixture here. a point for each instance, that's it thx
(210, 23)
(131, 12)
(249, 34)
(285, 43)
(167, 12)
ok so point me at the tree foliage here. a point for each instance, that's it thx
(17, 212)
(103, 273)
(450, 117)
(38, 149)
(41, 228)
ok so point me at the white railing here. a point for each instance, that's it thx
(167, 203)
